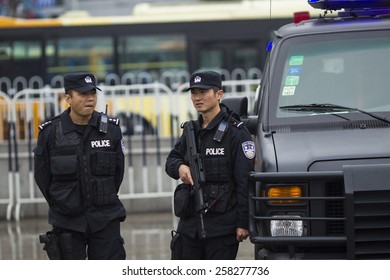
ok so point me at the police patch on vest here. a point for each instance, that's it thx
(100, 144)
(248, 148)
(215, 151)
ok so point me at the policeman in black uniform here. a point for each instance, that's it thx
(228, 152)
(79, 167)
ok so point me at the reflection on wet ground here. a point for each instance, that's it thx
(147, 237)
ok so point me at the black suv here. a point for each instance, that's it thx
(322, 135)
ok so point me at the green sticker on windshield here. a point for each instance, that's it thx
(292, 81)
(296, 60)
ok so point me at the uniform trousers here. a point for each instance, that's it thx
(105, 244)
(215, 248)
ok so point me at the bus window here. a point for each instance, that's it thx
(21, 58)
(153, 54)
(5, 52)
(228, 55)
(93, 54)
(211, 58)
(20, 50)
(23, 50)
(245, 58)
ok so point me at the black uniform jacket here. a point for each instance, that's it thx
(79, 173)
(241, 163)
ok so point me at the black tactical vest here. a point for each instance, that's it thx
(83, 171)
(217, 160)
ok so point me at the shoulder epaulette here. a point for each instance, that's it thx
(240, 124)
(182, 125)
(43, 125)
(236, 123)
(114, 121)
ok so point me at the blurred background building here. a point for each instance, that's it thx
(54, 8)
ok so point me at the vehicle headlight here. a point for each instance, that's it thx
(286, 227)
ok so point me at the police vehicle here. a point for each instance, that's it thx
(322, 135)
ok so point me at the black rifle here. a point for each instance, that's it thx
(52, 247)
(197, 172)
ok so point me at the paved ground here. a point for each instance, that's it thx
(147, 237)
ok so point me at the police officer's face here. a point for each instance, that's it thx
(206, 100)
(82, 104)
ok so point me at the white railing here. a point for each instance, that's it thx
(150, 120)
(7, 194)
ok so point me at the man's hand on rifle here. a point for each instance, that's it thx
(185, 174)
(241, 234)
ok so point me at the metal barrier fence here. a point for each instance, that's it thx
(150, 117)
(8, 195)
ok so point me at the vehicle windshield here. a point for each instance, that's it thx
(351, 70)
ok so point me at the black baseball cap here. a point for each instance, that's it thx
(81, 82)
(205, 80)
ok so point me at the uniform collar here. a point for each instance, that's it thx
(217, 119)
(69, 126)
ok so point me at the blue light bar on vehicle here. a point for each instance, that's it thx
(348, 4)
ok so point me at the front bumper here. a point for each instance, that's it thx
(362, 218)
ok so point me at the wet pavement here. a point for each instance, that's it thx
(146, 236)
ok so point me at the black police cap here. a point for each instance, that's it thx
(81, 82)
(205, 80)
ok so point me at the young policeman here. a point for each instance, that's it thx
(227, 152)
(79, 166)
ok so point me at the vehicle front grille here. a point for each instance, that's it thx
(372, 224)
(348, 210)
(334, 208)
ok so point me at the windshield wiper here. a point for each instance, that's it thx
(330, 108)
